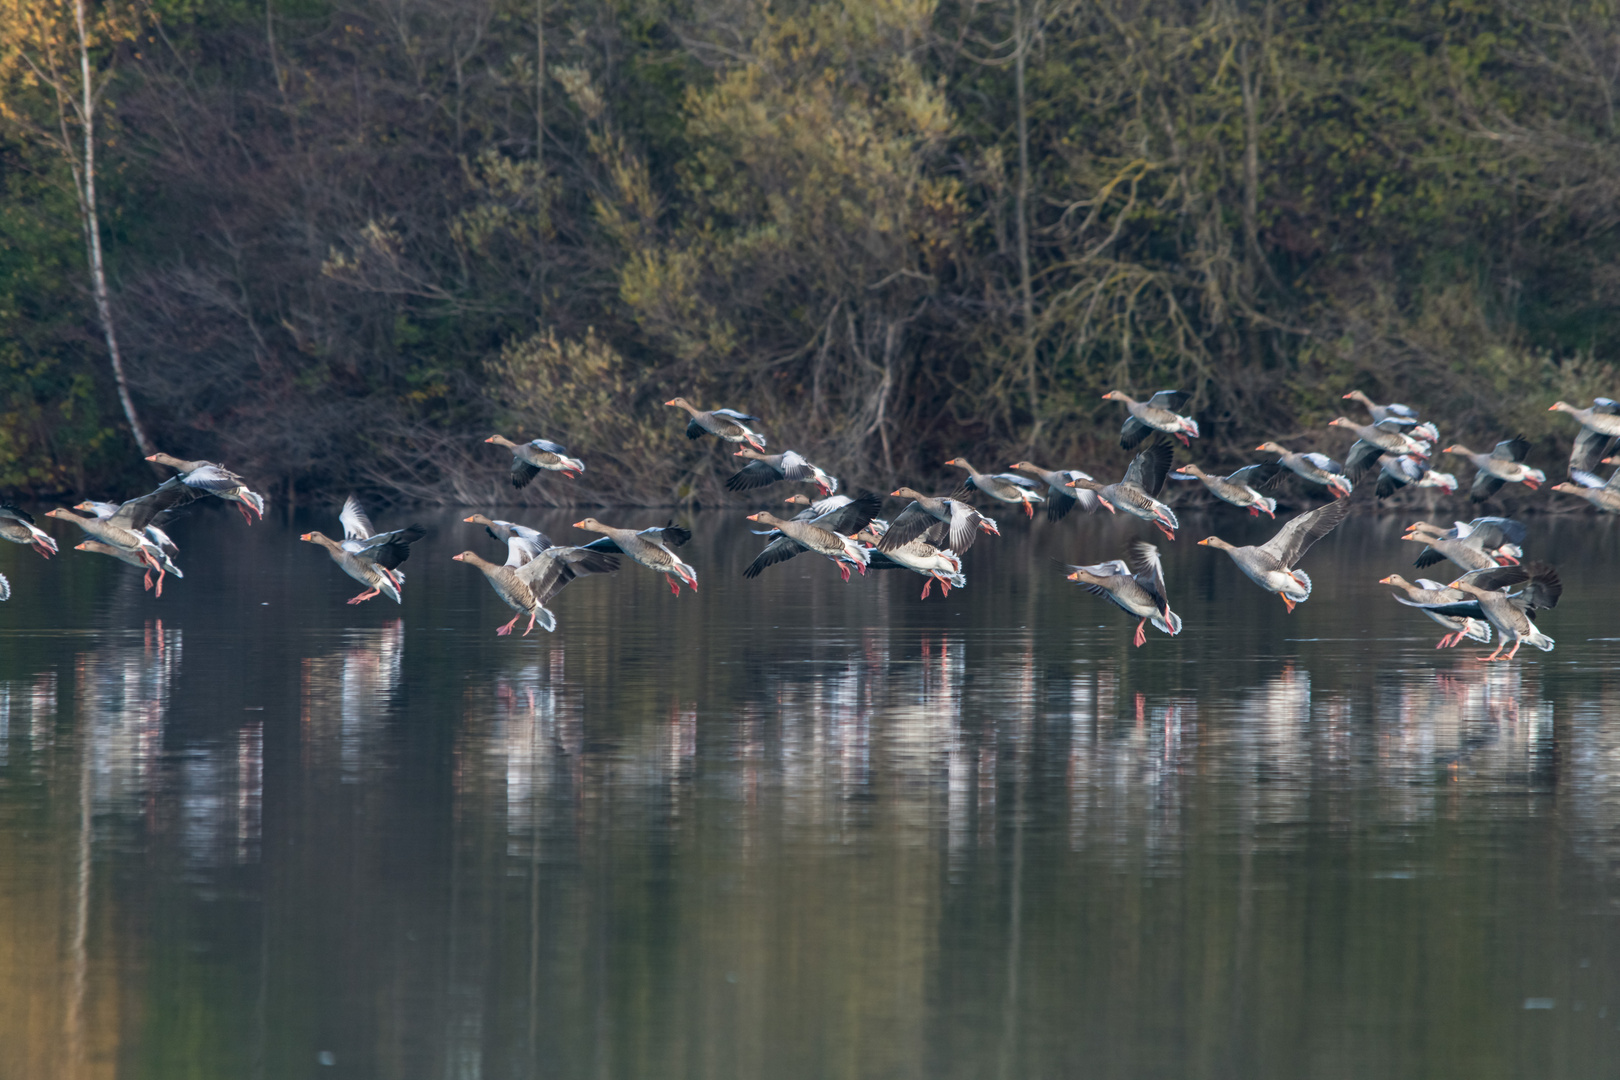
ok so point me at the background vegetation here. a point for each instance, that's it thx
(348, 238)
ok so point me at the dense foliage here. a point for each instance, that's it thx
(349, 238)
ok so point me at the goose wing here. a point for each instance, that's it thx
(1260, 477)
(1132, 433)
(853, 515)
(138, 513)
(391, 548)
(1169, 400)
(523, 472)
(551, 569)
(912, 523)
(756, 474)
(1485, 485)
(733, 414)
(1294, 539)
(1150, 572)
(356, 525)
(1149, 468)
(1514, 449)
(779, 550)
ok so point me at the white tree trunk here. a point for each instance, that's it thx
(92, 234)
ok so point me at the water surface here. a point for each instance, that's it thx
(796, 828)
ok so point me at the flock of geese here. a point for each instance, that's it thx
(1496, 589)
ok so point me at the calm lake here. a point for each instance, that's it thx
(795, 828)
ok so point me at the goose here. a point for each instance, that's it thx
(807, 535)
(531, 458)
(1157, 413)
(216, 480)
(133, 558)
(1396, 471)
(650, 548)
(1378, 445)
(727, 424)
(1507, 597)
(128, 525)
(1060, 498)
(1004, 487)
(1140, 593)
(1475, 545)
(1592, 444)
(924, 556)
(920, 514)
(532, 576)
(1137, 493)
(1603, 494)
(766, 469)
(867, 503)
(1425, 591)
(1603, 417)
(503, 531)
(372, 558)
(1401, 413)
(838, 514)
(1270, 565)
(1317, 468)
(1503, 465)
(1241, 488)
(17, 525)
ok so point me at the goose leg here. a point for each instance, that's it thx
(1184, 440)
(670, 581)
(243, 510)
(928, 583)
(367, 595)
(1141, 634)
(146, 582)
(502, 631)
(843, 570)
(1168, 533)
(1254, 511)
(1515, 650)
(1445, 641)
(1029, 508)
(532, 616)
(1290, 604)
(1502, 644)
(944, 585)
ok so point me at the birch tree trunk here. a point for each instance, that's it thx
(86, 184)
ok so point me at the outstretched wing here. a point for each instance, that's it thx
(1514, 449)
(1170, 400)
(137, 514)
(1132, 433)
(212, 480)
(523, 472)
(1150, 573)
(1260, 477)
(1485, 485)
(1363, 455)
(733, 414)
(551, 569)
(781, 549)
(695, 430)
(669, 534)
(1149, 468)
(1294, 539)
(912, 523)
(356, 525)
(548, 446)
(854, 515)
(389, 549)
(756, 474)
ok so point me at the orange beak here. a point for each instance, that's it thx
(752, 517)
(306, 536)
(893, 494)
(456, 558)
(151, 457)
(1386, 580)
(669, 403)
(490, 439)
(468, 519)
(579, 525)
(1205, 541)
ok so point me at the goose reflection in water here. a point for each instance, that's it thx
(346, 696)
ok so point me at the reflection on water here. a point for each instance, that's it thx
(841, 838)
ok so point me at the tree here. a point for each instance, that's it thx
(55, 65)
